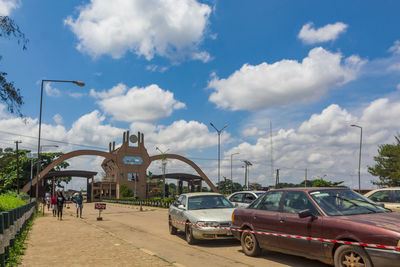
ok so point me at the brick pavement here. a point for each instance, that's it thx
(77, 242)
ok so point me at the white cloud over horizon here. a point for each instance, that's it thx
(170, 28)
(330, 32)
(137, 104)
(7, 6)
(284, 82)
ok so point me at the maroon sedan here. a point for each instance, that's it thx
(329, 213)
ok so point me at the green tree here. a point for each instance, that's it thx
(125, 191)
(8, 168)
(225, 186)
(324, 183)
(387, 166)
(10, 95)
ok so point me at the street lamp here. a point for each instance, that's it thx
(359, 157)
(79, 83)
(231, 171)
(219, 144)
(164, 163)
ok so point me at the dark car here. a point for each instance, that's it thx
(328, 213)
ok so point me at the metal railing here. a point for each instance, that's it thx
(12, 224)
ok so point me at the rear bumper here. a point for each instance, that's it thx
(381, 257)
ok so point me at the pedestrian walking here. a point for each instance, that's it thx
(54, 205)
(48, 201)
(79, 204)
(60, 203)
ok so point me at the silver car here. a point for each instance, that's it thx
(243, 199)
(207, 210)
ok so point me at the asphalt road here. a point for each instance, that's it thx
(149, 230)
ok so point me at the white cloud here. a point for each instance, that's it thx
(324, 144)
(169, 28)
(137, 104)
(395, 49)
(76, 95)
(284, 82)
(253, 131)
(58, 119)
(52, 91)
(7, 6)
(309, 35)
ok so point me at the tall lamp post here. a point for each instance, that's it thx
(164, 163)
(231, 170)
(359, 158)
(219, 145)
(79, 83)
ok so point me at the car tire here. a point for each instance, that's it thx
(347, 255)
(189, 235)
(172, 229)
(250, 244)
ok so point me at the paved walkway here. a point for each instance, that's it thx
(78, 242)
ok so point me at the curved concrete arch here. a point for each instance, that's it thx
(191, 163)
(64, 157)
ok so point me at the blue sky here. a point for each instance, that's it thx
(169, 68)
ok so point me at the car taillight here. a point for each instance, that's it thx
(233, 217)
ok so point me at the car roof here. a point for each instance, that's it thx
(201, 194)
(309, 189)
(250, 191)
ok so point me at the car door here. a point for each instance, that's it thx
(180, 213)
(290, 223)
(265, 218)
(237, 200)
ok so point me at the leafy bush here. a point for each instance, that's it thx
(125, 191)
(9, 202)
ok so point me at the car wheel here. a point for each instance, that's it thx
(250, 244)
(189, 235)
(172, 229)
(346, 256)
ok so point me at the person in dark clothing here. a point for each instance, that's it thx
(79, 204)
(60, 203)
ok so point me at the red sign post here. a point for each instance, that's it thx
(100, 207)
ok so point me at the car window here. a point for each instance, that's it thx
(269, 202)
(380, 196)
(396, 196)
(237, 198)
(183, 201)
(248, 198)
(295, 202)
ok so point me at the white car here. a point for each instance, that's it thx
(243, 199)
(207, 211)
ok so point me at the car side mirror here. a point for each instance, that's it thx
(307, 213)
(181, 207)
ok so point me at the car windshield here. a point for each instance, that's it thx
(208, 202)
(341, 202)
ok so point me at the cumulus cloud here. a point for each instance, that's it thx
(309, 35)
(284, 82)
(51, 91)
(58, 119)
(325, 144)
(395, 49)
(137, 104)
(170, 28)
(253, 131)
(7, 6)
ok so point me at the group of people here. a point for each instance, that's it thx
(57, 204)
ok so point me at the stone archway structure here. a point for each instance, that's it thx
(64, 157)
(124, 165)
(189, 162)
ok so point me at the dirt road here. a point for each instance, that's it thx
(148, 230)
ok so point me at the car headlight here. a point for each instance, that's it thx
(207, 224)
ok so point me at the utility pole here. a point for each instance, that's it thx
(17, 158)
(272, 152)
(277, 178)
(246, 173)
(164, 164)
(231, 172)
(305, 179)
(219, 144)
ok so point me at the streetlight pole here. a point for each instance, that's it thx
(219, 145)
(231, 171)
(246, 173)
(79, 83)
(359, 158)
(164, 163)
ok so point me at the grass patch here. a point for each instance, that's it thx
(19, 246)
(9, 202)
